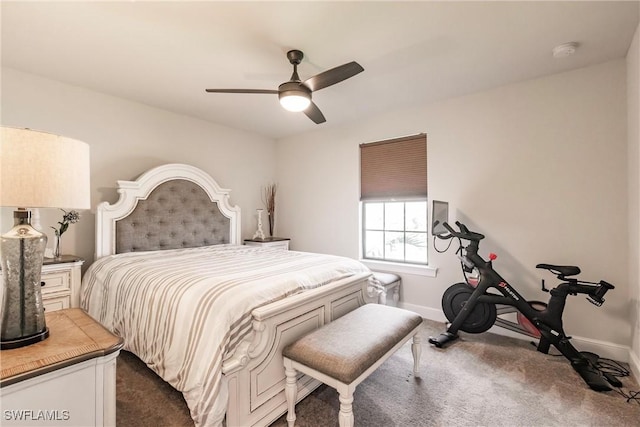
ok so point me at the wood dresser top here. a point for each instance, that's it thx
(74, 337)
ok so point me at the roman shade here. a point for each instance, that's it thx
(394, 168)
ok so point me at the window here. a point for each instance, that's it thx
(395, 231)
(393, 194)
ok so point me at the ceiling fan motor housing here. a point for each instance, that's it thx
(293, 89)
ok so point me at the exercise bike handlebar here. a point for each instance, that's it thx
(595, 291)
(464, 232)
(597, 297)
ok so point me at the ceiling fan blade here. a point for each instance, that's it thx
(314, 113)
(333, 76)
(242, 91)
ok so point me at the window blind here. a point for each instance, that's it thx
(394, 168)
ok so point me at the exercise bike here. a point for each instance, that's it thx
(470, 307)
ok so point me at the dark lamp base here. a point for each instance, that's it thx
(25, 341)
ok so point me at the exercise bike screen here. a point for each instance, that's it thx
(439, 215)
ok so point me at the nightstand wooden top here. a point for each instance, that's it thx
(268, 239)
(74, 338)
(62, 259)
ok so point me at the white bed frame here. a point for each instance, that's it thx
(255, 372)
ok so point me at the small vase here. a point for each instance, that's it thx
(270, 224)
(56, 248)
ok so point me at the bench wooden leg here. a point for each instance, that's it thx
(291, 391)
(345, 416)
(416, 349)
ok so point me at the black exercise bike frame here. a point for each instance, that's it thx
(548, 321)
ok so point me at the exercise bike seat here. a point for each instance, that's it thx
(560, 270)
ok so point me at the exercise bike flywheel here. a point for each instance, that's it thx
(480, 319)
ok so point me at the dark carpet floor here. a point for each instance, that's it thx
(480, 380)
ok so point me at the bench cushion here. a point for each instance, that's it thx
(346, 347)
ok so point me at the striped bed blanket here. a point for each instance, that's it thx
(183, 311)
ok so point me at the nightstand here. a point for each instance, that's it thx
(61, 278)
(274, 242)
(69, 379)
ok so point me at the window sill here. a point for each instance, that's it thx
(394, 267)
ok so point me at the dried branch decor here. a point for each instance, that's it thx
(269, 199)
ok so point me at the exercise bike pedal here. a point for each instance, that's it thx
(591, 375)
(442, 339)
(613, 380)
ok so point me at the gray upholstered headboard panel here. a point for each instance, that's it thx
(167, 207)
(177, 214)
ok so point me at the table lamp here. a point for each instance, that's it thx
(37, 170)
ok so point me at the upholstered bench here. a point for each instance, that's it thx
(391, 284)
(346, 351)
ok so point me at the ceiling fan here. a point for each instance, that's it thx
(295, 95)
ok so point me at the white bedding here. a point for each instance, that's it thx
(183, 311)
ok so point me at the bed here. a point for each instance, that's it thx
(207, 314)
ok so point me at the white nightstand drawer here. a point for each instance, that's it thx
(61, 279)
(55, 282)
(279, 245)
(56, 303)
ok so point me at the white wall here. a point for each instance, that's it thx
(126, 139)
(539, 167)
(633, 135)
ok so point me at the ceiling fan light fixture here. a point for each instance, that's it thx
(295, 101)
(295, 95)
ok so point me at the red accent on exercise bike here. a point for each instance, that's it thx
(493, 256)
(526, 324)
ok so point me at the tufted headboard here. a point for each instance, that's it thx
(169, 207)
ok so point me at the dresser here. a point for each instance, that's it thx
(69, 379)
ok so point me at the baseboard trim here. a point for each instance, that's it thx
(634, 363)
(604, 349)
(426, 312)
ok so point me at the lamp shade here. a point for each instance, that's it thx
(43, 170)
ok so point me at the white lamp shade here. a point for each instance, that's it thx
(43, 170)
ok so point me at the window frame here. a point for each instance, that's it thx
(384, 230)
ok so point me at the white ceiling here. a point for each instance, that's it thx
(165, 54)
